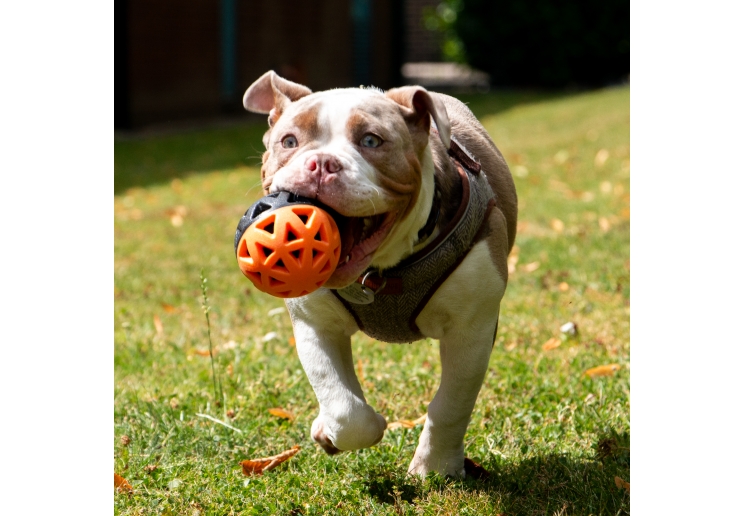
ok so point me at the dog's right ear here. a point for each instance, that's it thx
(270, 94)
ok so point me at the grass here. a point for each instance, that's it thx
(552, 438)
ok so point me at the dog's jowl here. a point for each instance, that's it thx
(427, 214)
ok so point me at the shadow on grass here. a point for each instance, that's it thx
(145, 158)
(547, 484)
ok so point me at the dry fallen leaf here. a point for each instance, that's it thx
(121, 485)
(531, 267)
(150, 468)
(603, 370)
(622, 484)
(403, 423)
(158, 324)
(563, 286)
(557, 225)
(169, 309)
(280, 412)
(407, 423)
(204, 352)
(125, 440)
(258, 466)
(420, 421)
(176, 214)
(552, 343)
(292, 341)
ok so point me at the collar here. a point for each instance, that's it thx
(431, 222)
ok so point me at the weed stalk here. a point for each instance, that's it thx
(207, 309)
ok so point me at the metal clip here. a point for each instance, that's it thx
(361, 293)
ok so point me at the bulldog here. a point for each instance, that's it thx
(427, 211)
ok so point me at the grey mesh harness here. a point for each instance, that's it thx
(401, 292)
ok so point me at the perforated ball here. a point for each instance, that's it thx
(287, 250)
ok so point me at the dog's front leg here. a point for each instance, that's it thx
(323, 337)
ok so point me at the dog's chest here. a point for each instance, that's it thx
(400, 294)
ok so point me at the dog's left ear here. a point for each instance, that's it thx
(270, 94)
(417, 106)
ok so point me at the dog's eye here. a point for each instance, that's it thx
(289, 142)
(370, 140)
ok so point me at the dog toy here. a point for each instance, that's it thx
(287, 245)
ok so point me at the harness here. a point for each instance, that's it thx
(385, 304)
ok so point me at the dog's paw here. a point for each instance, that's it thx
(446, 466)
(320, 437)
(361, 431)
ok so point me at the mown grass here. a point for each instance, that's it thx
(552, 438)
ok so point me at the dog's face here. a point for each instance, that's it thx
(362, 152)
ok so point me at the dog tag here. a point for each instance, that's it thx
(357, 294)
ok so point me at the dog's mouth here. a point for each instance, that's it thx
(360, 238)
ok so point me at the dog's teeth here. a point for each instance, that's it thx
(348, 257)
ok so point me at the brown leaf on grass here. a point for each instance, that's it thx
(204, 352)
(292, 341)
(158, 324)
(150, 468)
(125, 440)
(282, 413)
(475, 470)
(403, 423)
(258, 466)
(563, 286)
(407, 423)
(531, 267)
(603, 370)
(169, 309)
(121, 485)
(551, 343)
(557, 225)
(176, 215)
(622, 484)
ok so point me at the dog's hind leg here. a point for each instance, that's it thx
(465, 322)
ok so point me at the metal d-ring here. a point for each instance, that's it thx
(364, 287)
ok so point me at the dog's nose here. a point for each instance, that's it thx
(323, 163)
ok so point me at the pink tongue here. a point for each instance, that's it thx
(347, 273)
(360, 257)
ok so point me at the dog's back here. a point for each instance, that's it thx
(473, 136)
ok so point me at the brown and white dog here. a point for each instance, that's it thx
(376, 159)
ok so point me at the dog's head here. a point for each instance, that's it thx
(363, 152)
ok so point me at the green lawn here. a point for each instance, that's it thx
(552, 438)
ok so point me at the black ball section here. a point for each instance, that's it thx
(273, 202)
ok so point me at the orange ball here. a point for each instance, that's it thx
(290, 251)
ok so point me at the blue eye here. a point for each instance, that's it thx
(370, 140)
(289, 142)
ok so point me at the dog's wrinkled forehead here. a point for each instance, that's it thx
(332, 114)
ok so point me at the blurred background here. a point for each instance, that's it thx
(188, 61)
